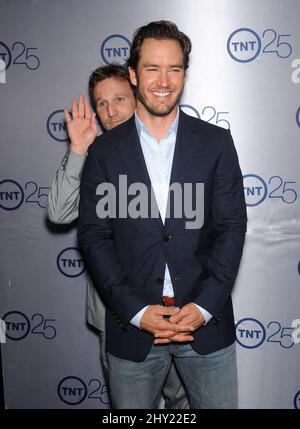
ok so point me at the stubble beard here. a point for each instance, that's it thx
(151, 109)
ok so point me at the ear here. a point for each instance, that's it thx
(132, 76)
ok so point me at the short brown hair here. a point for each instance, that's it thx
(105, 72)
(160, 30)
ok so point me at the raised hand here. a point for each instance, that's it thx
(82, 126)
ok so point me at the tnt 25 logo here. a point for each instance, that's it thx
(70, 262)
(245, 45)
(251, 333)
(208, 114)
(257, 190)
(20, 55)
(13, 194)
(18, 325)
(115, 48)
(73, 390)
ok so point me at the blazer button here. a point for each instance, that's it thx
(167, 237)
(160, 280)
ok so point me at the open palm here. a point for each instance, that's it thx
(82, 126)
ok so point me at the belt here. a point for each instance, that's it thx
(168, 301)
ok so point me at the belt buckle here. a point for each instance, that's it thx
(168, 301)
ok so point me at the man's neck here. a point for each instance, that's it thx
(158, 126)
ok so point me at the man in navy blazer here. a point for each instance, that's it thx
(142, 248)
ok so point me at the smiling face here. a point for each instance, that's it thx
(114, 100)
(159, 77)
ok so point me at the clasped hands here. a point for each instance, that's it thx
(179, 326)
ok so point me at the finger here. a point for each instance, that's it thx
(81, 107)
(93, 122)
(184, 312)
(176, 339)
(186, 320)
(164, 325)
(74, 108)
(67, 115)
(87, 109)
(164, 334)
(182, 338)
(166, 311)
(180, 318)
(176, 318)
(168, 334)
(162, 341)
(172, 327)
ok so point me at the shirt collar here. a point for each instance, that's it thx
(141, 127)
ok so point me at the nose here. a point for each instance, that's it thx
(111, 110)
(163, 78)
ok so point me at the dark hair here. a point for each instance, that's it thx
(160, 30)
(105, 72)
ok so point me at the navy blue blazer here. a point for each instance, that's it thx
(126, 257)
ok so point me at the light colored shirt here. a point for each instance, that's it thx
(159, 159)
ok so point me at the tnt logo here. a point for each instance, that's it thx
(298, 117)
(11, 195)
(297, 401)
(250, 333)
(70, 263)
(5, 55)
(244, 45)
(255, 189)
(72, 390)
(57, 126)
(115, 49)
(189, 110)
(17, 325)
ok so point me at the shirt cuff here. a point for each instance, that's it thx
(75, 162)
(137, 318)
(207, 316)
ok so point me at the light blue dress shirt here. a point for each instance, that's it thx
(158, 157)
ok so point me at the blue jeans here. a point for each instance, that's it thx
(174, 393)
(210, 380)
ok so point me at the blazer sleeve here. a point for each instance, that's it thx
(229, 220)
(63, 198)
(96, 240)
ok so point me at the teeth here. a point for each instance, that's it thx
(161, 94)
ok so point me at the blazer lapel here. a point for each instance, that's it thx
(132, 154)
(184, 153)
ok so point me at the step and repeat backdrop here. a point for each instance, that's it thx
(244, 75)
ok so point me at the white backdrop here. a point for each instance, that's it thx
(242, 74)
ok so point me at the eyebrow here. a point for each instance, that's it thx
(119, 94)
(180, 66)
